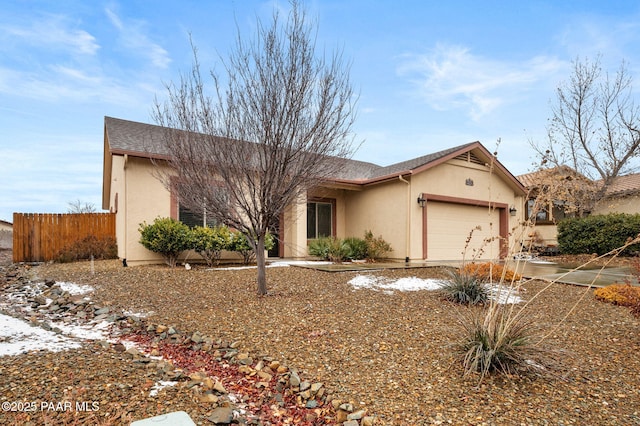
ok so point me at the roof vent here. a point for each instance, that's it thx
(469, 157)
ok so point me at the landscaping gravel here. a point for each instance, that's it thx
(390, 353)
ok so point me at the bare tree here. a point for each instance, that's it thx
(79, 206)
(595, 126)
(256, 141)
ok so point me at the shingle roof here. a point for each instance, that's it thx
(620, 186)
(624, 185)
(133, 138)
(531, 179)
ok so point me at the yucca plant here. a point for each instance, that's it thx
(499, 339)
(463, 287)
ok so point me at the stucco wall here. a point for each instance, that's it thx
(630, 205)
(385, 208)
(381, 209)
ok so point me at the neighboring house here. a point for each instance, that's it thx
(6, 234)
(622, 196)
(425, 207)
(544, 216)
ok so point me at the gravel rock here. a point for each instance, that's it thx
(389, 354)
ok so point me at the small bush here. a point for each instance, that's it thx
(167, 237)
(491, 272)
(354, 248)
(329, 248)
(240, 244)
(377, 247)
(90, 246)
(496, 340)
(619, 294)
(463, 287)
(210, 242)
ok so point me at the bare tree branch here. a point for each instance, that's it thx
(594, 126)
(277, 124)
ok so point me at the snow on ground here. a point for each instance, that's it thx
(74, 288)
(278, 264)
(18, 336)
(500, 294)
(159, 385)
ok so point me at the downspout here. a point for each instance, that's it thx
(408, 224)
(126, 208)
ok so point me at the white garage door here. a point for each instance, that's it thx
(449, 225)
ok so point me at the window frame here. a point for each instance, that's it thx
(320, 200)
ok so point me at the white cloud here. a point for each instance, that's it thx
(593, 35)
(56, 32)
(451, 77)
(133, 36)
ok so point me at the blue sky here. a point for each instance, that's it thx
(431, 75)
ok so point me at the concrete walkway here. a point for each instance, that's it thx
(532, 269)
(598, 277)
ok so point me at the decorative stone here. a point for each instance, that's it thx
(221, 416)
(356, 415)
(294, 380)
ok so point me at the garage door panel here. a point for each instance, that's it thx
(449, 226)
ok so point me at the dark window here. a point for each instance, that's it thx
(536, 213)
(542, 215)
(192, 219)
(319, 220)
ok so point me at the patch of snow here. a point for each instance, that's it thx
(504, 295)
(281, 263)
(233, 268)
(17, 336)
(500, 294)
(402, 284)
(93, 331)
(276, 264)
(161, 385)
(74, 288)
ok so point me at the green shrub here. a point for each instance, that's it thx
(210, 242)
(88, 247)
(240, 244)
(329, 248)
(167, 237)
(354, 248)
(498, 340)
(377, 247)
(464, 287)
(320, 247)
(598, 234)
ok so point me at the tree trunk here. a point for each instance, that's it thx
(261, 261)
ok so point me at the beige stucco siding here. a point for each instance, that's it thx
(381, 209)
(629, 204)
(146, 199)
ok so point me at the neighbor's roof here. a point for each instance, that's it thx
(620, 186)
(624, 185)
(145, 140)
(531, 179)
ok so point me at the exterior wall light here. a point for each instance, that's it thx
(421, 200)
(512, 210)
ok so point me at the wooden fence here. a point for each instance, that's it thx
(40, 237)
